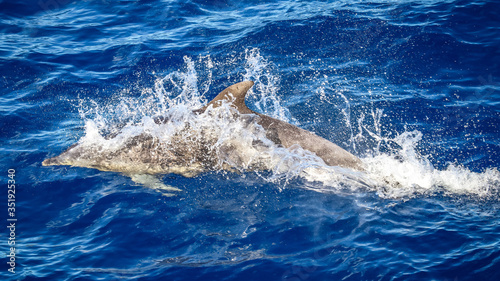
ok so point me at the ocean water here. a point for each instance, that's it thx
(411, 87)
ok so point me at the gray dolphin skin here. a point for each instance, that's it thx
(286, 134)
(143, 155)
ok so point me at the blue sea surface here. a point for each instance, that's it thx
(412, 87)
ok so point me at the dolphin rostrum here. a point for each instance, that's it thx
(143, 155)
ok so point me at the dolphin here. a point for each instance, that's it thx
(188, 156)
(285, 134)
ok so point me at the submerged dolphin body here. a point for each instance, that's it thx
(188, 156)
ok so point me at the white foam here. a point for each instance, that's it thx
(407, 173)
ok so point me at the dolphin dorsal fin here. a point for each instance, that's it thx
(237, 93)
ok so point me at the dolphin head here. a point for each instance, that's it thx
(68, 157)
(54, 161)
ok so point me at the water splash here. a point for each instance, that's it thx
(264, 95)
(405, 172)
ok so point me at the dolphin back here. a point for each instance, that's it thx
(286, 134)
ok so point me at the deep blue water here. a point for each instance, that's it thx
(359, 73)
